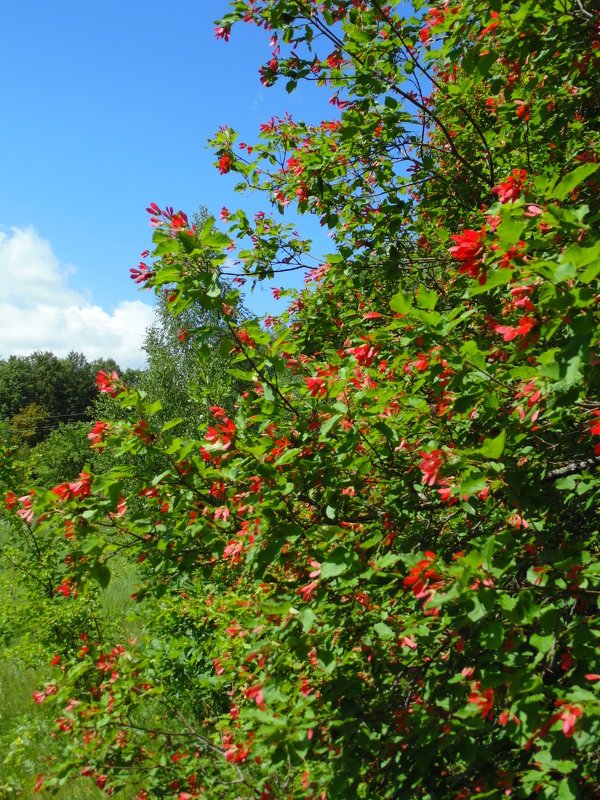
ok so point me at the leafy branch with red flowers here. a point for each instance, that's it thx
(377, 575)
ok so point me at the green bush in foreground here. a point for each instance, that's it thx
(380, 576)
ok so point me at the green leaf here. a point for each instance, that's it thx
(329, 569)
(268, 392)
(472, 483)
(426, 298)
(592, 257)
(477, 610)
(165, 247)
(214, 290)
(580, 256)
(567, 789)
(401, 303)
(307, 618)
(484, 64)
(573, 179)
(242, 375)
(542, 643)
(171, 424)
(386, 561)
(492, 448)
(329, 423)
(491, 635)
(102, 574)
(91, 544)
(494, 278)
(383, 631)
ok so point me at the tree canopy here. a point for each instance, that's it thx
(64, 388)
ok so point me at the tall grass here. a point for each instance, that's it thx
(26, 728)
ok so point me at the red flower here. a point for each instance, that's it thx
(335, 59)
(39, 697)
(65, 588)
(26, 513)
(491, 26)
(509, 333)
(418, 575)
(523, 109)
(364, 353)
(224, 163)
(484, 699)
(568, 715)
(141, 431)
(10, 501)
(96, 435)
(236, 751)
(255, 485)
(142, 273)
(80, 488)
(223, 33)
(179, 220)
(430, 466)
(436, 16)
(307, 591)
(505, 716)
(469, 249)
(423, 581)
(316, 386)
(224, 433)
(510, 189)
(107, 384)
(255, 693)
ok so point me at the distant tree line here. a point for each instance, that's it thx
(47, 403)
(41, 391)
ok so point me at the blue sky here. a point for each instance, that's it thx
(106, 108)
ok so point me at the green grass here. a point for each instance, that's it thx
(25, 728)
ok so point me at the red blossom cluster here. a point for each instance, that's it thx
(97, 434)
(430, 466)
(423, 581)
(595, 429)
(108, 384)
(482, 698)
(223, 433)
(511, 188)
(224, 164)
(141, 274)
(80, 488)
(469, 249)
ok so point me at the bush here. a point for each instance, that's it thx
(379, 577)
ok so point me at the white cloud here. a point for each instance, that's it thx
(40, 311)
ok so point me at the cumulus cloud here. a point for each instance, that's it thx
(40, 311)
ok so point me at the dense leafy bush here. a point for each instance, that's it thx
(380, 576)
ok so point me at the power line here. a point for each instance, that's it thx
(56, 416)
(39, 428)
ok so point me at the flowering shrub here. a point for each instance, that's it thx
(380, 576)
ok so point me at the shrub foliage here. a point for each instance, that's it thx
(379, 577)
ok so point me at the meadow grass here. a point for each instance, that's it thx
(26, 728)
